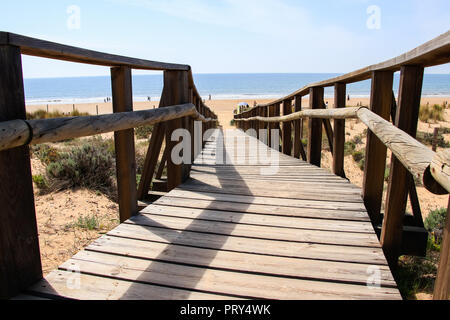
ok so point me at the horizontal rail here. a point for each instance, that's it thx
(52, 50)
(430, 167)
(15, 133)
(343, 113)
(431, 53)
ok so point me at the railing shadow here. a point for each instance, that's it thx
(203, 256)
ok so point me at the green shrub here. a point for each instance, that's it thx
(40, 182)
(361, 164)
(46, 153)
(349, 148)
(143, 132)
(387, 173)
(88, 222)
(435, 223)
(427, 139)
(358, 156)
(90, 166)
(232, 122)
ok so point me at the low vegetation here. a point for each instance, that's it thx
(42, 114)
(89, 165)
(143, 132)
(427, 138)
(418, 274)
(431, 113)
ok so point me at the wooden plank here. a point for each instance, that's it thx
(52, 50)
(339, 131)
(257, 219)
(101, 288)
(184, 199)
(124, 144)
(287, 129)
(20, 262)
(411, 78)
(274, 203)
(375, 160)
(259, 232)
(253, 286)
(329, 132)
(442, 284)
(374, 256)
(315, 128)
(238, 262)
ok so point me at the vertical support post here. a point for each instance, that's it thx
(287, 128)
(297, 127)
(276, 113)
(124, 142)
(315, 127)
(375, 160)
(411, 78)
(442, 284)
(339, 131)
(20, 259)
(176, 85)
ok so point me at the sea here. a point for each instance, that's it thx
(96, 89)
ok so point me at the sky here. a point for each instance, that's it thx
(230, 36)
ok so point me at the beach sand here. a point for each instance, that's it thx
(223, 108)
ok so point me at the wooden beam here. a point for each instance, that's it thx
(151, 158)
(340, 91)
(315, 127)
(329, 132)
(124, 143)
(375, 160)
(20, 260)
(287, 129)
(176, 85)
(52, 50)
(442, 284)
(411, 78)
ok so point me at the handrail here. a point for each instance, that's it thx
(431, 53)
(15, 133)
(52, 50)
(415, 156)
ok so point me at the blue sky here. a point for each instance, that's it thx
(230, 36)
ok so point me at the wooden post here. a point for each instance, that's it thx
(375, 160)
(287, 128)
(176, 85)
(20, 260)
(315, 127)
(276, 113)
(339, 131)
(299, 151)
(124, 143)
(442, 284)
(411, 78)
(435, 138)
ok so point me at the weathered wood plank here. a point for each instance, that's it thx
(124, 144)
(339, 131)
(315, 128)
(20, 261)
(375, 159)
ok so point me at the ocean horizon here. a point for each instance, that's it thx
(95, 89)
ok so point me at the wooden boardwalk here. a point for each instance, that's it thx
(230, 232)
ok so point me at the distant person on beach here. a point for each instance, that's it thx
(209, 97)
(254, 103)
(348, 98)
(149, 99)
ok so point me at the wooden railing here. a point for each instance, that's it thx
(180, 105)
(399, 233)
